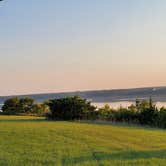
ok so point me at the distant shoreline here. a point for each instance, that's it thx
(158, 94)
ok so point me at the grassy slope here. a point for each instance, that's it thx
(30, 141)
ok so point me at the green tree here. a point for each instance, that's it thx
(148, 113)
(70, 108)
(40, 109)
(25, 105)
(11, 106)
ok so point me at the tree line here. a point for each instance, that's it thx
(143, 112)
(23, 106)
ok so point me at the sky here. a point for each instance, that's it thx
(76, 45)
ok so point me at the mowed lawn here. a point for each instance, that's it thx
(33, 141)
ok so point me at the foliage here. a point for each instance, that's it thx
(70, 108)
(105, 113)
(11, 106)
(25, 105)
(161, 119)
(40, 109)
(143, 112)
(16, 105)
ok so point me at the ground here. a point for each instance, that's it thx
(26, 141)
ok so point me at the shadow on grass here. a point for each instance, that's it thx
(129, 155)
(23, 120)
(121, 124)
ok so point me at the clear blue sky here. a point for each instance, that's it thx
(66, 45)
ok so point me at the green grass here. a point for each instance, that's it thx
(32, 141)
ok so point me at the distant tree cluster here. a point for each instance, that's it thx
(16, 106)
(143, 112)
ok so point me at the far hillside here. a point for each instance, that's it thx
(156, 93)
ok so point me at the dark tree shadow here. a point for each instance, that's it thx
(99, 156)
(22, 120)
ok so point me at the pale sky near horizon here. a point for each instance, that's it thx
(70, 45)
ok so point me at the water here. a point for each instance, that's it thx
(1, 107)
(125, 104)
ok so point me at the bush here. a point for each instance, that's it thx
(71, 108)
(26, 105)
(76, 108)
(105, 113)
(148, 116)
(11, 106)
(40, 109)
(126, 115)
(23, 106)
(143, 112)
(161, 119)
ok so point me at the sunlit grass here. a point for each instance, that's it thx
(35, 141)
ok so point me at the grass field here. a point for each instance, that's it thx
(33, 141)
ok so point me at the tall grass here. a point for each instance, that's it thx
(35, 141)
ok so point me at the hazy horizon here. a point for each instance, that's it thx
(84, 90)
(61, 46)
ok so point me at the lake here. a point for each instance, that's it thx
(125, 104)
(1, 107)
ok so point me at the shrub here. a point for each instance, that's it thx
(161, 119)
(11, 106)
(71, 108)
(105, 113)
(40, 109)
(148, 116)
(23, 106)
